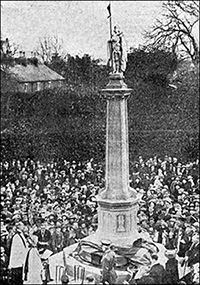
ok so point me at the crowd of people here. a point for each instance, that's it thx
(55, 204)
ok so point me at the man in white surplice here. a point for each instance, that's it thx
(18, 252)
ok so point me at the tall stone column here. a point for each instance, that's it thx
(118, 203)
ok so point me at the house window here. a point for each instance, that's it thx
(38, 86)
(26, 87)
(49, 84)
(60, 83)
(32, 88)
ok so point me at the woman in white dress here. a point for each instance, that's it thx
(33, 264)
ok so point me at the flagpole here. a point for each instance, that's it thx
(110, 20)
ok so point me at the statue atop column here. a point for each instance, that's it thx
(117, 51)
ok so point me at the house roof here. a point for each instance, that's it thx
(33, 73)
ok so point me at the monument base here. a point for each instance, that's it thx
(57, 261)
(117, 221)
(67, 259)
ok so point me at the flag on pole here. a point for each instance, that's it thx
(109, 10)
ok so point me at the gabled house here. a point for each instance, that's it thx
(26, 74)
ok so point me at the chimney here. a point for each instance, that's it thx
(24, 55)
(7, 46)
(20, 54)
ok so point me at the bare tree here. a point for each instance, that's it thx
(48, 47)
(175, 30)
(8, 51)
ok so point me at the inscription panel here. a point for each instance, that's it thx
(121, 223)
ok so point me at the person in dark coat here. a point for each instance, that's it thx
(109, 275)
(171, 240)
(193, 252)
(185, 242)
(44, 238)
(157, 271)
(171, 267)
(65, 232)
(4, 266)
(72, 237)
(146, 280)
(57, 240)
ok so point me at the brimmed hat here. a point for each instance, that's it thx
(170, 253)
(106, 242)
(183, 218)
(167, 199)
(18, 198)
(51, 216)
(58, 225)
(165, 194)
(192, 219)
(90, 278)
(196, 225)
(59, 220)
(18, 224)
(52, 227)
(16, 216)
(172, 219)
(151, 199)
(189, 177)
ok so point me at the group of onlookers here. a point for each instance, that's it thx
(56, 202)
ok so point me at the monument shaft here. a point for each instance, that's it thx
(117, 168)
(118, 202)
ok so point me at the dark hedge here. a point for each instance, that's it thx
(71, 122)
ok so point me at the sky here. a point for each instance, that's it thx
(82, 25)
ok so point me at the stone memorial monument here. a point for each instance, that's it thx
(118, 202)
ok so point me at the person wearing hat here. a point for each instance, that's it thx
(196, 274)
(64, 279)
(18, 252)
(65, 232)
(72, 239)
(192, 254)
(4, 266)
(6, 212)
(23, 178)
(171, 267)
(89, 279)
(57, 239)
(160, 227)
(33, 264)
(196, 226)
(52, 218)
(171, 239)
(167, 205)
(108, 263)
(185, 241)
(157, 271)
(44, 238)
(84, 231)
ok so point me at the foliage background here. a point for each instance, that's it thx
(71, 122)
